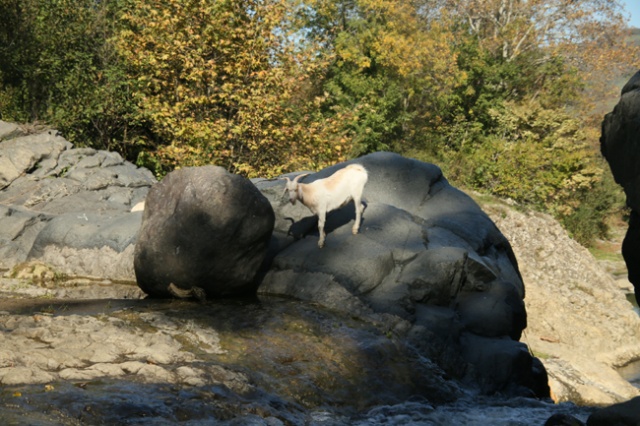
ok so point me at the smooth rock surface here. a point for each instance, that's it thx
(422, 244)
(203, 227)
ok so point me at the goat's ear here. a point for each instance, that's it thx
(297, 178)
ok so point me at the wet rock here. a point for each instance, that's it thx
(429, 266)
(277, 358)
(504, 361)
(623, 414)
(411, 301)
(202, 227)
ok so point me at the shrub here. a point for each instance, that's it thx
(537, 157)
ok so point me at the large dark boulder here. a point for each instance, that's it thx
(620, 145)
(623, 414)
(202, 228)
(427, 256)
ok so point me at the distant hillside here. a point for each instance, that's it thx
(613, 85)
(635, 36)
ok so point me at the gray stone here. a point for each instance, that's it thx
(503, 365)
(203, 227)
(423, 247)
(428, 263)
(67, 206)
(19, 229)
(88, 231)
(21, 155)
(9, 130)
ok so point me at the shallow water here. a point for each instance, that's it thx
(479, 411)
(631, 297)
(631, 372)
(118, 403)
(297, 358)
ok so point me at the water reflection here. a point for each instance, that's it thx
(631, 297)
(631, 372)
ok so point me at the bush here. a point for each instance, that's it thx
(537, 157)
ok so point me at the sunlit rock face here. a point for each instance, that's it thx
(426, 256)
(620, 144)
(68, 207)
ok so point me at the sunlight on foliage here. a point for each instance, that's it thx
(221, 82)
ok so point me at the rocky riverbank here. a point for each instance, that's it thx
(581, 324)
(101, 345)
(427, 303)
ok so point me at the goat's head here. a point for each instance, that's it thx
(291, 186)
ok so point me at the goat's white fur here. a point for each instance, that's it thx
(138, 207)
(324, 195)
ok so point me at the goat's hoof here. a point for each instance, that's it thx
(320, 244)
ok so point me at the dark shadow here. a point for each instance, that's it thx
(63, 307)
(335, 219)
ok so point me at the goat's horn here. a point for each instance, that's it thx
(284, 191)
(297, 178)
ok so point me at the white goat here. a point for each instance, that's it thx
(324, 195)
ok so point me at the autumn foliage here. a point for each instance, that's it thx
(506, 96)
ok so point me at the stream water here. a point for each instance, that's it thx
(631, 297)
(631, 372)
(122, 403)
(288, 352)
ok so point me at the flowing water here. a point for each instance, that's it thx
(303, 365)
(631, 372)
(126, 404)
(631, 297)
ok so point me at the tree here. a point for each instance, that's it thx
(535, 69)
(393, 66)
(223, 82)
(57, 66)
(551, 38)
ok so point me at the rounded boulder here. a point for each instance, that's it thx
(202, 228)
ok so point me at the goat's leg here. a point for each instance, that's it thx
(357, 202)
(321, 220)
